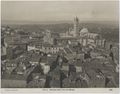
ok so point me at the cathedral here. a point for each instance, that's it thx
(82, 36)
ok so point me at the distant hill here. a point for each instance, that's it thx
(8, 22)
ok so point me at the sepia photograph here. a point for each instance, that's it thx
(60, 44)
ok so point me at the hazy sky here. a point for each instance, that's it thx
(62, 10)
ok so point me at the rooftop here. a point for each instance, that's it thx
(13, 77)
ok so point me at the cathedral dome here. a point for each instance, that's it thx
(84, 31)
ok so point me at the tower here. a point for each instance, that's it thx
(76, 27)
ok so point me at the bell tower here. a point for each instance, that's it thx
(76, 26)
